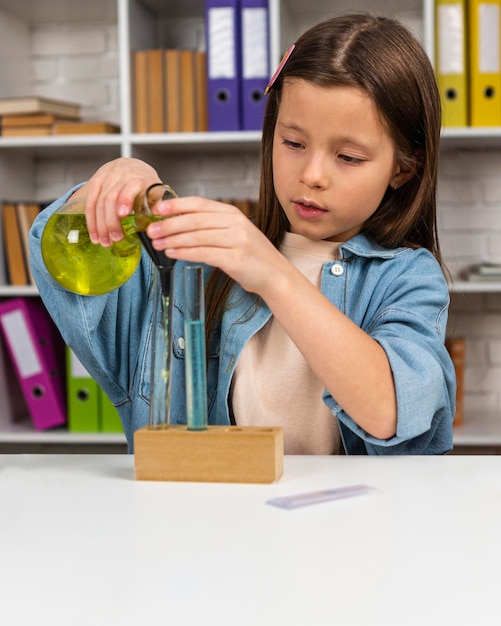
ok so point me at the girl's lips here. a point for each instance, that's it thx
(308, 211)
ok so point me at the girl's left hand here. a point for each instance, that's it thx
(218, 234)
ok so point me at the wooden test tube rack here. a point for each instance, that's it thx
(233, 454)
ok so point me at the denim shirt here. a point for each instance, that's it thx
(399, 297)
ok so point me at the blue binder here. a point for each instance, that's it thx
(254, 18)
(223, 63)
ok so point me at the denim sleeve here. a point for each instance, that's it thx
(409, 322)
(107, 333)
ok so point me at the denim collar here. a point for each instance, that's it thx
(361, 245)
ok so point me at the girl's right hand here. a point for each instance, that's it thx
(110, 195)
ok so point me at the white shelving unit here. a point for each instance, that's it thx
(150, 23)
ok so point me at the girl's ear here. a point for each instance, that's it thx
(403, 173)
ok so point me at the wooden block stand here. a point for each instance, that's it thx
(221, 454)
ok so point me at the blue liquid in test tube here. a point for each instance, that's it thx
(196, 378)
(194, 341)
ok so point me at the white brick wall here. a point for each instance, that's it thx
(470, 229)
(80, 63)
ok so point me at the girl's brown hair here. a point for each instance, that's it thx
(379, 55)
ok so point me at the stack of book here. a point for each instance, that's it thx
(31, 116)
(170, 91)
(483, 272)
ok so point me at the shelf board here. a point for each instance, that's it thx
(11, 291)
(474, 138)
(64, 146)
(477, 434)
(24, 433)
(180, 142)
(467, 286)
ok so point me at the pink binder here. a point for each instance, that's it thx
(32, 344)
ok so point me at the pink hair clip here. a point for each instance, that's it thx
(279, 69)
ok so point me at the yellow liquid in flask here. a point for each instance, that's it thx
(84, 267)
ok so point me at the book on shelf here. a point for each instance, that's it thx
(26, 215)
(37, 119)
(201, 104)
(85, 128)
(155, 91)
(456, 348)
(140, 91)
(484, 271)
(13, 246)
(27, 125)
(17, 218)
(187, 90)
(247, 206)
(4, 276)
(26, 131)
(29, 105)
(170, 90)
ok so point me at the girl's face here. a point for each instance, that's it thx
(333, 159)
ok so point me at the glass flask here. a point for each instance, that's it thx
(90, 269)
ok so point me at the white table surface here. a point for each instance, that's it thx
(84, 544)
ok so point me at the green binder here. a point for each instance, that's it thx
(83, 397)
(110, 420)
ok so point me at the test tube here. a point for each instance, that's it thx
(194, 342)
(161, 352)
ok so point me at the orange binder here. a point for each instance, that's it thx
(450, 61)
(485, 72)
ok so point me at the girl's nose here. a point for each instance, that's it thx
(315, 173)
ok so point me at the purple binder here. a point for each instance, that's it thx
(254, 16)
(32, 344)
(223, 64)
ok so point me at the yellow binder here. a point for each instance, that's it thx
(485, 72)
(450, 61)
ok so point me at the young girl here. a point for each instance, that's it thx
(326, 315)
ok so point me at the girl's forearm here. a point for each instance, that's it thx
(353, 367)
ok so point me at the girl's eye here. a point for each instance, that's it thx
(350, 160)
(292, 144)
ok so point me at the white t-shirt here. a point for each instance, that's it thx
(273, 385)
